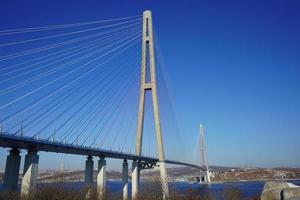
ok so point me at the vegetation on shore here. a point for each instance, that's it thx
(150, 191)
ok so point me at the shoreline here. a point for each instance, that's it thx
(259, 180)
(213, 182)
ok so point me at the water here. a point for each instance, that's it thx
(249, 189)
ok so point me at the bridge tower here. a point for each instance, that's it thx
(148, 52)
(205, 174)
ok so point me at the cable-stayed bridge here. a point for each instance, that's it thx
(85, 88)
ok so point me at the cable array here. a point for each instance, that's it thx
(72, 83)
(172, 131)
(79, 84)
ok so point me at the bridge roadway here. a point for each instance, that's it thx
(22, 142)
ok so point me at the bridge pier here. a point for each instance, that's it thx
(12, 169)
(29, 180)
(88, 176)
(125, 180)
(204, 176)
(88, 173)
(135, 179)
(208, 176)
(101, 179)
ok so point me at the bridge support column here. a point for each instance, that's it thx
(207, 176)
(12, 169)
(135, 179)
(101, 179)
(88, 173)
(30, 173)
(125, 180)
(88, 176)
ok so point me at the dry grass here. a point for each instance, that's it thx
(149, 191)
(231, 193)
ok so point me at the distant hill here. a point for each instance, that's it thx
(219, 174)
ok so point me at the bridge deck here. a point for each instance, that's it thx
(9, 141)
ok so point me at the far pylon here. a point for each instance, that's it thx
(205, 174)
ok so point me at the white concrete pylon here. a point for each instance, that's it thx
(101, 179)
(125, 180)
(12, 169)
(164, 180)
(135, 179)
(29, 180)
(148, 53)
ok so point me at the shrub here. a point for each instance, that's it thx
(231, 193)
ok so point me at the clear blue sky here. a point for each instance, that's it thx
(232, 65)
